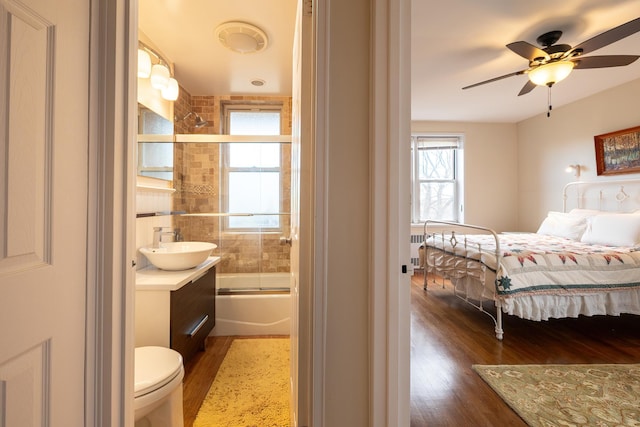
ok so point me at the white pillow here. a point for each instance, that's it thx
(585, 212)
(613, 230)
(562, 224)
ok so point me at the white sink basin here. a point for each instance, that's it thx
(178, 255)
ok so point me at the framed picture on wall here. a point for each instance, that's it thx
(618, 152)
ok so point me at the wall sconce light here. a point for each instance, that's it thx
(159, 76)
(171, 92)
(144, 64)
(575, 169)
(158, 72)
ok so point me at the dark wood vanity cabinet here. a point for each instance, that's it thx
(192, 314)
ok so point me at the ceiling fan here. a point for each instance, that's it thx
(554, 62)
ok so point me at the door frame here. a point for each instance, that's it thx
(111, 182)
(110, 234)
(390, 213)
(389, 186)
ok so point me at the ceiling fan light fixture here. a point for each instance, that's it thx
(551, 73)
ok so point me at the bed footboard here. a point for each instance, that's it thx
(448, 253)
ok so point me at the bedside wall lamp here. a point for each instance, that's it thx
(575, 169)
(159, 72)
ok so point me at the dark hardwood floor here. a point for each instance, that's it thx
(199, 374)
(448, 336)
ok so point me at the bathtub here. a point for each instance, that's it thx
(252, 304)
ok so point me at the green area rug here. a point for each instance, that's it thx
(568, 395)
(251, 387)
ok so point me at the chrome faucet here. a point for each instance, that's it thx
(158, 232)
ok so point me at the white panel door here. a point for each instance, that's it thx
(44, 59)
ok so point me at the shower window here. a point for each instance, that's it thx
(252, 171)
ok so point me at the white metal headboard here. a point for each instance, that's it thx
(620, 195)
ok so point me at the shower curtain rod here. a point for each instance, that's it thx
(234, 214)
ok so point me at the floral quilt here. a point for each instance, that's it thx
(539, 264)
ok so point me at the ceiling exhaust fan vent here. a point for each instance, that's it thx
(241, 37)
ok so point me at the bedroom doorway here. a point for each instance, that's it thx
(390, 371)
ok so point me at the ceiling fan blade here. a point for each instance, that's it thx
(527, 50)
(608, 37)
(517, 73)
(604, 61)
(528, 87)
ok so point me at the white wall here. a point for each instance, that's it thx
(346, 385)
(514, 173)
(546, 146)
(490, 170)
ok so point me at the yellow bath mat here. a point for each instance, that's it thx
(251, 387)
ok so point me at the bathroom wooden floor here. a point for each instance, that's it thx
(199, 374)
(447, 337)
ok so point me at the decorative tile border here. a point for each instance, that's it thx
(186, 188)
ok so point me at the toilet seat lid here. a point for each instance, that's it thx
(155, 367)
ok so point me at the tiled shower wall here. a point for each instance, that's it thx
(197, 183)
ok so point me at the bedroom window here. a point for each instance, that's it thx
(251, 170)
(437, 163)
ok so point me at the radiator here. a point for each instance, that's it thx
(416, 241)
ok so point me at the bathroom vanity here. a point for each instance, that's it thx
(176, 309)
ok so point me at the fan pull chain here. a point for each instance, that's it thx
(549, 102)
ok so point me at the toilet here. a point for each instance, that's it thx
(158, 387)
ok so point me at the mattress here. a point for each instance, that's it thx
(538, 276)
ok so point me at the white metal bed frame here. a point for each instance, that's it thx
(581, 189)
(582, 193)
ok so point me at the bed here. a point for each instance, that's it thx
(578, 262)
